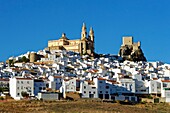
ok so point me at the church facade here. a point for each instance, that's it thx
(84, 45)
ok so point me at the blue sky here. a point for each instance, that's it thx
(27, 25)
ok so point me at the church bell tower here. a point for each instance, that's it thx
(83, 32)
(91, 34)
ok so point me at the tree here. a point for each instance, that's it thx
(24, 94)
(11, 62)
(2, 89)
(24, 59)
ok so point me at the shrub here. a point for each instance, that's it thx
(117, 101)
(114, 101)
(24, 94)
(150, 97)
(1, 98)
(143, 102)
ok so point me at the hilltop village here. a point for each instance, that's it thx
(68, 67)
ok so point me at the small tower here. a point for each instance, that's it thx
(63, 37)
(91, 34)
(83, 32)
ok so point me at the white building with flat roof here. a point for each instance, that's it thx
(19, 85)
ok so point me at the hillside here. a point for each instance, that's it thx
(85, 106)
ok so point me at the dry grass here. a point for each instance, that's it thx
(79, 107)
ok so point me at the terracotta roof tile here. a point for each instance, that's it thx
(165, 80)
(24, 78)
(101, 79)
(155, 78)
(57, 76)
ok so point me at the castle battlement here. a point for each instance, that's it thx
(131, 50)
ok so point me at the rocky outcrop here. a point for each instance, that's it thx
(128, 52)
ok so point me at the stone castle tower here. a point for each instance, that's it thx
(130, 50)
(84, 45)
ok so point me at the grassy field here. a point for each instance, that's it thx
(80, 106)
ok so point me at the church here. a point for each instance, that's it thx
(84, 45)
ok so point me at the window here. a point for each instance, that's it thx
(84, 91)
(100, 91)
(89, 91)
(142, 90)
(18, 82)
(126, 98)
(107, 87)
(164, 85)
(106, 91)
(21, 82)
(91, 95)
(107, 96)
(47, 85)
(101, 82)
(152, 89)
(18, 88)
(27, 82)
(133, 99)
(18, 94)
(84, 87)
(94, 92)
(167, 95)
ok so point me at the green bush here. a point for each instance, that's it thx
(150, 97)
(24, 94)
(143, 102)
(117, 101)
(2, 89)
(1, 98)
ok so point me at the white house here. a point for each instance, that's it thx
(155, 86)
(55, 82)
(102, 87)
(88, 89)
(127, 85)
(19, 85)
(68, 85)
(4, 82)
(165, 90)
(39, 86)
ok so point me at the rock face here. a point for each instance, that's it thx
(138, 55)
(131, 51)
